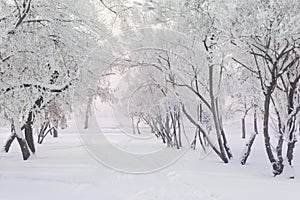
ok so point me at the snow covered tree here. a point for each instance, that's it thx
(197, 68)
(266, 32)
(43, 49)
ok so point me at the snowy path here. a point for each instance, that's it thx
(63, 169)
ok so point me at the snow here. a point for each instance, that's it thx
(66, 168)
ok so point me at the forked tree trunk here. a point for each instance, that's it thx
(223, 134)
(22, 143)
(247, 150)
(215, 149)
(194, 142)
(225, 143)
(215, 116)
(197, 131)
(42, 133)
(250, 143)
(175, 127)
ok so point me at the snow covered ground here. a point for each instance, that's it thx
(65, 168)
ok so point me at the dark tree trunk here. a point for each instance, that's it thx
(247, 150)
(291, 143)
(225, 143)
(24, 148)
(291, 123)
(243, 128)
(277, 166)
(55, 132)
(42, 133)
(28, 133)
(279, 149)
(266, 128)
(9, 142)
(22, 143)
(138, 127)
(290, 155)
(290, 151)
(29, 138)
(250, 143)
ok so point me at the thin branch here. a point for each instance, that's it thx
(195, 92)
(18, 7)
(245, 66)
(24, 14)
(107, 7)
(36, 20)
(265, 56)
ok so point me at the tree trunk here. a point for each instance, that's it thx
(223, 158)
(42, 133)
(133, 125)
(29, 138)
(290, 151)
(9, 142)
(225, 143)
(279, 149)
(291, 143)
(250, 143)
(215, 116)
(277, 167)
(223, 134)
(179, 130)
(194, 142)
(24, 148)
(22, 143)
(138, 127)
(291, 124)
(247, 150)
(55, 132)
(28, 132)
(88, 112)
(243, 128)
